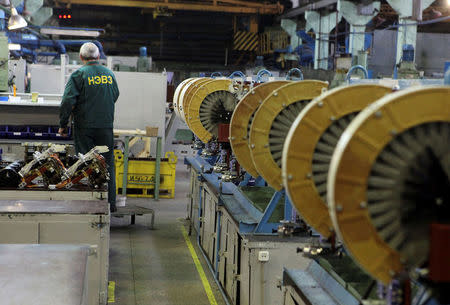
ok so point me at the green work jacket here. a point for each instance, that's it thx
(90, 94)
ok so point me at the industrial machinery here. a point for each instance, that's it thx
(289, 135)
(9, 175)
(242, 119)
(91, 165)
(209, 113)
(47, 171)
(406, 69)
(45, 165)
(206, 105)
(388, 190)
(271, 125)
(310, 144)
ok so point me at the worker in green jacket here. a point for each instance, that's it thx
(90, 96)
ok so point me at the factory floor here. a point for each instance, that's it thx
(156, 267)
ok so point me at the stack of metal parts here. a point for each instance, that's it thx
(46, 170)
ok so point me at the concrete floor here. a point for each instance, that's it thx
(155, 267)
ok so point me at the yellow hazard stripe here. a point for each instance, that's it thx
(245, 41)
(241, 39)
(198, 265)
(111, 292)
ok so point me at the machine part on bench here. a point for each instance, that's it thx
(221, 165)
(271, 125)
(9, 175)
(310, 145)
(91, 165)
(46, 165)
(389, 180)
(38, 156)
(241, 121)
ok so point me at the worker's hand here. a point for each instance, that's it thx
(63, 132)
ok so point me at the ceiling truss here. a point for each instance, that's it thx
(228, 6)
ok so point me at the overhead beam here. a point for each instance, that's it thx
(309, 7)
(227, 6)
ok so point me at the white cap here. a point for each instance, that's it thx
(89, 51)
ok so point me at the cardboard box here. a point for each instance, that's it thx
(151, 131)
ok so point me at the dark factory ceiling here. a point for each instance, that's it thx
(192, 35)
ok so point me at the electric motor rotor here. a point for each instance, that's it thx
(389, 181)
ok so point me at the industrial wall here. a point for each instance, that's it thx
(142, 101)
(431, 52)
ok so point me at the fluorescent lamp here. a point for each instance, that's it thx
(70, 32)
(14, 47)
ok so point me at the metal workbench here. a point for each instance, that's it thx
(62, 222)
(25, 112)
(45, 194)
(44, 274)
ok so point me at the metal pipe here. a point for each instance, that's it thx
(47, 54)
(261, 73)
(70, 28)
(216, 74)
(357, 67)
(237, 73)
(80, 42)
(60, 45)
(290, 72)
(35, 44)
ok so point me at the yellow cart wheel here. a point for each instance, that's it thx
(388, 180)
(241, 121)
(310, 144)
(271, 125)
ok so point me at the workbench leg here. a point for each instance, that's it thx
(152, 220)
(158, 166)
(125, 166)
(133, 219)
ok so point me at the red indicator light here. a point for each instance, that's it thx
(60, 16)
(64, 16)
(69, 16)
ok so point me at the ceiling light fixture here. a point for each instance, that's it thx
(16, 21)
